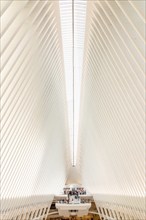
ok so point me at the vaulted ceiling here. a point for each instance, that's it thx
(112, 116)
(72, 92)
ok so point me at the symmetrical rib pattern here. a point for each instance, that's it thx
(37, 94)
(34, 158)
(112, 116)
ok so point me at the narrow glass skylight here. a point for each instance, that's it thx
(73, 84)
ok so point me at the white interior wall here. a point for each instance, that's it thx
(34, 155)
(35, 138)
(111, 152)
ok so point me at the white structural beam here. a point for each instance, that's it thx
(37, 104)
(111, 153)
(34, 123)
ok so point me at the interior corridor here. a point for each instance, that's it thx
(73, 110)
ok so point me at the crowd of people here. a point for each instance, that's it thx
(73, 195)
(75, 191)
(67, 201)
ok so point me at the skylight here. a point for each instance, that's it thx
(73, 18)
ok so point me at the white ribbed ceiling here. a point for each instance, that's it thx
(37, 99)
(34, 122)
(112, 117)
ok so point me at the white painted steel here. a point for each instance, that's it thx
(111, 155)
(36, 105)
(34, 124)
